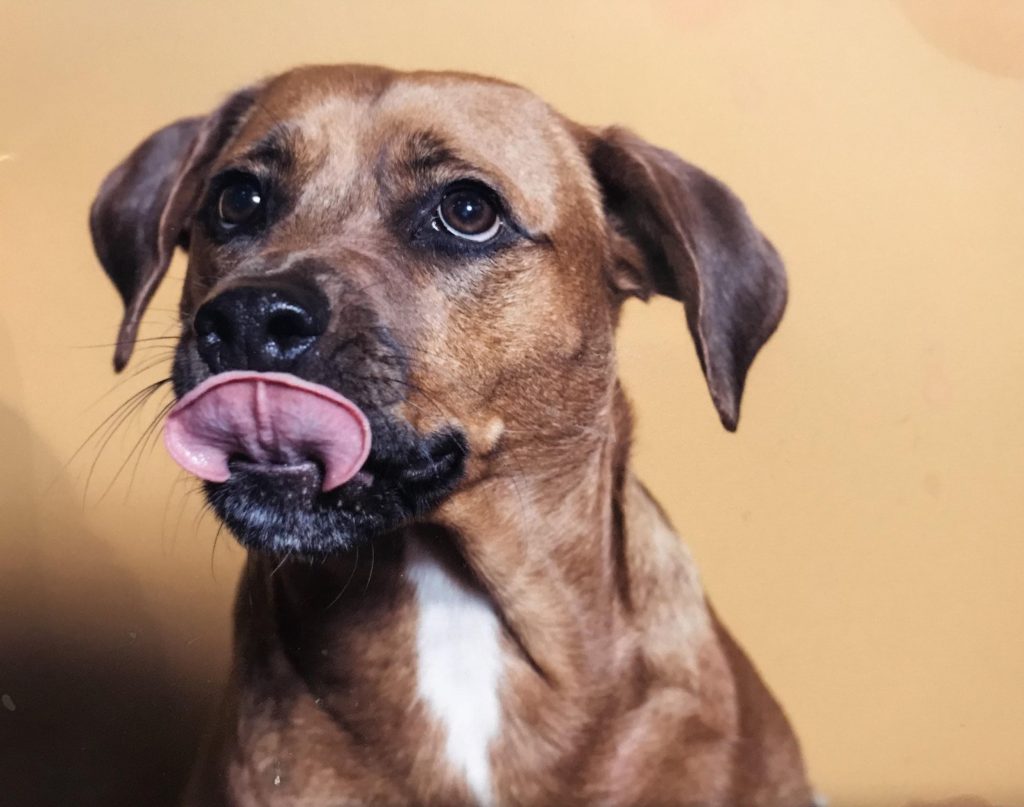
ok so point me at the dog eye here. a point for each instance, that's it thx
(469, 213)
(239, 202)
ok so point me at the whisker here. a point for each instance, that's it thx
(175, 486)
(140, 340)
(141, 395)
(277, 568)
(213, 550)
(139, 444)
(370, 575)
(109, 426)
(344, 588)
(146, 443)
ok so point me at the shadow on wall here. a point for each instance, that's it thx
(90, 711)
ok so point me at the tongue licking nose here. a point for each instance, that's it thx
(274, 420)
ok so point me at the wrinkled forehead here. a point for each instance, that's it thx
(350, 127)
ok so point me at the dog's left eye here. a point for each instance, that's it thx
(469, 213)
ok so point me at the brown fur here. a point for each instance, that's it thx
(620, 686)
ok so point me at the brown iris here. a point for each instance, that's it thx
(469, 213)
(239, 202)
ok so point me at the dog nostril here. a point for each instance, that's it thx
(213, 326)
(287, 328)
(284, 324)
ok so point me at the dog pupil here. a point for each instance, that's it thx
(469, 212)
(468, 209)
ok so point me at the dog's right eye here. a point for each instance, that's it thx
(239, 202)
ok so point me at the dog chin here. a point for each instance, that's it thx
(282, 510)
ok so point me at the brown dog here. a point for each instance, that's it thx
(491, 609)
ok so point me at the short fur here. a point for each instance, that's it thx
(501, 445)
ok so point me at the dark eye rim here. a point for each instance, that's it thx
(417, 220)
(218, 185)
(252, 190)
(487, 195)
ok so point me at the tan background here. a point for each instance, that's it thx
(862, 533)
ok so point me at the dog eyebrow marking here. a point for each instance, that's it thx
(424, 151)
(459, 666)
(276, 148)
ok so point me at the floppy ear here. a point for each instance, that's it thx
(143, 208)
(679, 232)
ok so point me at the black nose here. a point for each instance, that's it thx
(259, 328)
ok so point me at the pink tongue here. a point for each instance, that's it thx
(271, 419)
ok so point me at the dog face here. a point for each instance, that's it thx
(445, 251)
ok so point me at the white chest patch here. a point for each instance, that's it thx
(459, 666)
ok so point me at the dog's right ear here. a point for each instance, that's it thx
(144, 206)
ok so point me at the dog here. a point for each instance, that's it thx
(396, 376)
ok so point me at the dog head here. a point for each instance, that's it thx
(445, 251)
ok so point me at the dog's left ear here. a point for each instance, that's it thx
(144, 205)
(679, 232)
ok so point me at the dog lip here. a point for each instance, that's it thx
(311, 469)
(282, 468)
(274, 421)
(306, 476)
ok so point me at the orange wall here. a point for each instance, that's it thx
(862, 533)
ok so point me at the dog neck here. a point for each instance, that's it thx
(543, 548)
(515, 586)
